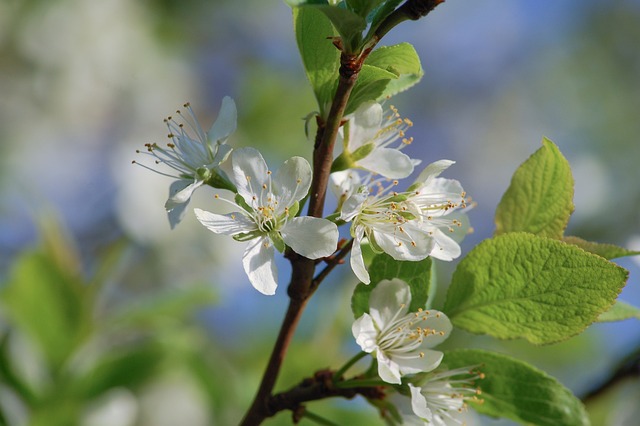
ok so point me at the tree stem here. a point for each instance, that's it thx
(302, 284)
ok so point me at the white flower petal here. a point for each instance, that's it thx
(180, 192)
(399, 245)
(439, 322)
(445, 247)
(222, 153)
(357, 261)
(351, 207)
(259, 264)
(176, 214)
(387, 299)
(388, 162)
(228, 224)
(249, 172)
(419, 361)
(225, 124)
(344, 183)
(365, 333)
(419, 403)
(364, 124)
(433, 170)
(291, 182)
(388, 370)
(311, 237)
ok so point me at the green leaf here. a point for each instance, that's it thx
(386, 72)
(371, 85)
(320, 58)
(48, 304)
(520, 285)
(129, 368)
(9, 376)
(173, 304)
(384, 267)
(400, 59)
(608, 251)
(380, 14)
(518, 391)
(619, 312)
(363, 7)
(540, 197)
(348, 24)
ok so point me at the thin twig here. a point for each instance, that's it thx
(335, 260)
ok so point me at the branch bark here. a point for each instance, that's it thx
(302, 284)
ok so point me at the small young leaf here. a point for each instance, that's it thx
(519, 285)
(363, 7)
(348, 24)
(320, 57)
(539, 199)
(518, 391)
(608, 251)
(386, 72)
(401, 59)
(619, 312)
(380, 14)
(371, 85)
(384, 267)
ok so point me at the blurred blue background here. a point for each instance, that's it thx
(84, 83)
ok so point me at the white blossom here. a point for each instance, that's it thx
(368, 142)
(399, 339)
(441, 399)
(267, 205)
(193, 155)
(409, 225)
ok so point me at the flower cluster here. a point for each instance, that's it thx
(401, 343)
(399, 339)
(409, 225)
(425, 219)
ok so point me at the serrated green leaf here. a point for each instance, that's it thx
(384, 267)
(400, 59)
(48, 304)
(608, 251)
(519, 285)
(518, 391)
(320, 58)
(539, 199)
(371, 85)
(620, 312)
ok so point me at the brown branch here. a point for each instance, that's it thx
(410, 10)
(318, 387)
(300, 287)
(303, 284)
(333, 261)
